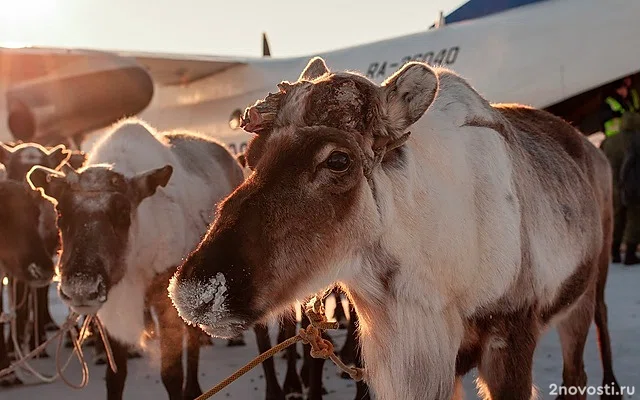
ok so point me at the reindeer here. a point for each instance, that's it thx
(127, 218)
(141, 202)
(19, 157)
(23, 250)
(459, 229)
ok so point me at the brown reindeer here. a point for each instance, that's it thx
(377, 188)
(23, 251)
(19, 158)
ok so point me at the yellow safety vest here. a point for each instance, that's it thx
(612, 126)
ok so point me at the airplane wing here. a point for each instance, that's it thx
(173, 69)
(52, 92)
(18, 64)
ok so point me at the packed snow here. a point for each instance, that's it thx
(218, 361)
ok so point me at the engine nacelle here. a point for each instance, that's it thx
(80, 99)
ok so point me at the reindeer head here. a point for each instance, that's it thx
(19, 158)
(96, 212)
(23, 251)
(309, 207)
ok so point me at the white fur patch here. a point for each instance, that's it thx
(123, 313)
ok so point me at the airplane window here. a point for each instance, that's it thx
(234, 119)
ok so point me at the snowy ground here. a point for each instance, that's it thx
(219, 361)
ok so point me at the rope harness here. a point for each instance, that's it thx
(312, 335)
(68, 326)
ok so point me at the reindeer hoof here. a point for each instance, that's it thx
(134, 354)
(51, 326)
(294, 396)
(192, 393)
(236, 342)
(275, 396)
(100, 359)
(43, 354)
(10, 380)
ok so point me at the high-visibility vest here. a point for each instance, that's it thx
(612, 126)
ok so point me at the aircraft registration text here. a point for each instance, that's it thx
(382, 69)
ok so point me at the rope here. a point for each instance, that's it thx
(8, 317)
(107, 346)
(77, 340)
(312, 335)
(70, 322)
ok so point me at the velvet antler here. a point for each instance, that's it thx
(260, 116)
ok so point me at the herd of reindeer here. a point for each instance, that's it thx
(145, 229)
(33, 233)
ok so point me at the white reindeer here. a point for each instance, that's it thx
(127, 218)
(459, 229)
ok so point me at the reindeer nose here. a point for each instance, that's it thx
(82, 289)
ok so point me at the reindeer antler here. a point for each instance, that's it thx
(261, 115)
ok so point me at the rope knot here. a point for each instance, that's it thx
(320, 347)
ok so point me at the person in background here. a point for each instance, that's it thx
(623, 152)
(633, 92)
(622, 98)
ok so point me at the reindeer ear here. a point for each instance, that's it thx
(57, 156)
(408, 93)
(52, 183)
(146, 183)
(5, 153)
(3, 173)
(314, 69)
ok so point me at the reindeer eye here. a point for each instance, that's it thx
(338, 161)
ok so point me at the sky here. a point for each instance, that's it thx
(214, 27)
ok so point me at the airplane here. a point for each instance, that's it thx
(558, 55)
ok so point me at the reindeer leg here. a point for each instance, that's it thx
(506, 364)
(350, 354)
(11, 379)
(312, 369)
(601, 319)
(292, 387)
(573, 331)
(171, 331)
(39, 310)
(192, 388)
(116, 380)
(339, 313)
(274, 392)
(22, 316)
(348, 351)
(362, 389)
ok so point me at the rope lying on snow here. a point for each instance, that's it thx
(320, 348)
(77, 340)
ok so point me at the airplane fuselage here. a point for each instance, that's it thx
(539, 55)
